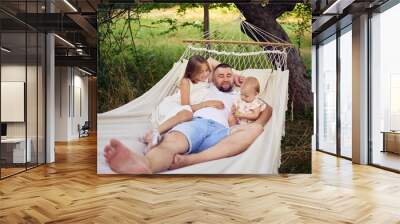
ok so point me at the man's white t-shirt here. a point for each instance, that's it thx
(212, 113)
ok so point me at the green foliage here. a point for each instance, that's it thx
(297, 23)
(129, 63)
(303, 13)
(182, 8)
(150, 6)
(137, 48)
(174, 25)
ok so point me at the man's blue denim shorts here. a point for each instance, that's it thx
(201, 133)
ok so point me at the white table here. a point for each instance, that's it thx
(18, 145)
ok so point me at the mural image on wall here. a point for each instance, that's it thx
(221, 88)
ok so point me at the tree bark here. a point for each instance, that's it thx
(206, 23)
(265, 18)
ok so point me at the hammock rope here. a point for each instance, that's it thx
(244, 53)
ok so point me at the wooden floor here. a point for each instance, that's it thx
(70, 191)
(387, 159)
(5, 172)
(10, 171)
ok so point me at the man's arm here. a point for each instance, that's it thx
(265, 116)
(196, 107)
(209, 103)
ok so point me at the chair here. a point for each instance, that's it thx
(84, 130)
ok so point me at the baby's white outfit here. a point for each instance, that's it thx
(245, 107)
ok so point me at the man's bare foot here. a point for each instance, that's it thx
(180, 161)
(122, 160)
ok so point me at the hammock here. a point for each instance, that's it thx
(264, 60)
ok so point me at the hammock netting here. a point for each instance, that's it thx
(243, 53)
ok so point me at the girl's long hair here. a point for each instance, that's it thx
(193, 66)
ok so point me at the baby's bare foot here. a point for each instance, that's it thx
(122, 160)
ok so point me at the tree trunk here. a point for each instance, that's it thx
(206, 23)
(265, 18)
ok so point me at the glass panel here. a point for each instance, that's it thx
(13, 87)
(2, 161)
(31, 100)
(327, 95)
(41, 99)
(23, 88)
(385, 84)
(31, 85)
(346, 93)
(394, 102)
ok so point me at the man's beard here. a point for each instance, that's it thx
(220, 88)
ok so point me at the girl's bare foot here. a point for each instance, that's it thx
(146, 139)
(122, 160)
(152, 138)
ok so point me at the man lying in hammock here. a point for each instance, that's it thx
(207, 133)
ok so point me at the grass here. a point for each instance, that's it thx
(222, 20)
(296, 146)
(132, 70)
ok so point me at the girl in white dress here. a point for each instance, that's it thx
(180, 106)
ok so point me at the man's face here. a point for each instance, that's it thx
(223, 79)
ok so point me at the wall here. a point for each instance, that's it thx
(12, 73)
(17, 73)
(34, 125)
(71, 102)
(62, 81)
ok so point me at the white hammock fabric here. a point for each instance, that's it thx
(267, 63)
(131, 120)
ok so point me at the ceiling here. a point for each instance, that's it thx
(74, 21)
(329, 13)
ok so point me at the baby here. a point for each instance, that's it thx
(248, 107)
